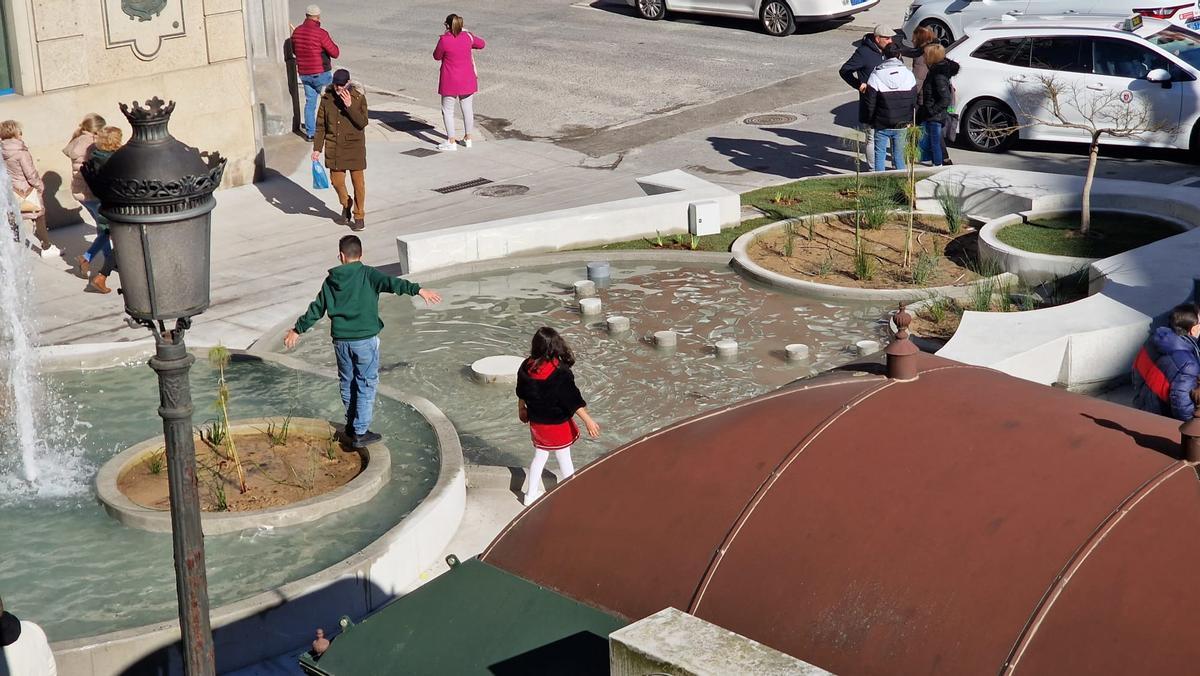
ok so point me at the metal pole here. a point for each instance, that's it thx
(172, 363)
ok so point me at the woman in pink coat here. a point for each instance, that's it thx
(458, 79)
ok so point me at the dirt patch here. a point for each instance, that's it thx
(825, 253)
(302, 467)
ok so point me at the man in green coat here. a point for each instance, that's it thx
(350, 296)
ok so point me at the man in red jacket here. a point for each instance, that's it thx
(313, 49)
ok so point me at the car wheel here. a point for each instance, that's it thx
(777, 18)
(989, 127)
(1194, 145)
(941, 32)
(652, 9)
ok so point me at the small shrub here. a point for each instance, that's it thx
(218, 488)
(826, 266)
(658, 240)
(156, 461)
(952, 208)
(278, 434)
(811, 234)
(789, 239)
(214, 432)
(981, 296)
(1026, 302)
(875, 212)
(864, 266)
(681, 239)
(925, 267)
(695, 243)
(1006, 301)
(937, 309)
(988, 268)
(331, 445)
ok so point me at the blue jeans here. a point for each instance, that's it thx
(102, 243)
(884, 138)
(358, 373)
(314, 85)
(932, 142)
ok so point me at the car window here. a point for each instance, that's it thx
(1004, 50)
(1178, 42)
(1122, 58)
(1068, 54)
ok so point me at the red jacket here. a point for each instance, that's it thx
(313, 48)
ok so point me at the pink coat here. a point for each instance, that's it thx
(458, 64)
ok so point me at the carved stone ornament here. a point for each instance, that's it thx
(142, 25)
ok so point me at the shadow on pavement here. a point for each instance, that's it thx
(281, 193)
(799, 153)
(398, 120)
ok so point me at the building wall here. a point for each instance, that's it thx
(72, 57)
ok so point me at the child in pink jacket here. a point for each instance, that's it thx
(458, 79)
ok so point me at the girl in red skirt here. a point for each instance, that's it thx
(549, 400)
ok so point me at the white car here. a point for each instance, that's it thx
(948, 19)
(1098, 62)
(778, 17)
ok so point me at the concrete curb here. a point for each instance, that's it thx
(817, 291)
(268, 623)
(1035, 268)
(358, 490)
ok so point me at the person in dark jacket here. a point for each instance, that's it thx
(314, 50)
(350, 297)
(1167, 367)
(891, 105)
(549, 400)
(868, 54)
(937, 96)
(341, 132)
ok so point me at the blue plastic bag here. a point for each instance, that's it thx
(320, 178)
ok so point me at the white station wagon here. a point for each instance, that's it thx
(1156, 64)
(778, 17)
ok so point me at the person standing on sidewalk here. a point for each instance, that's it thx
(891, 100)
(458, 80)
(937, 96)
(868, 54)
(350, 297)
(341, 133)
(313, 49)
(27, 183)
(108, 141)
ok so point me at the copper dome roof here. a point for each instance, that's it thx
(964, 523)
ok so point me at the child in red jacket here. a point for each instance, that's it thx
(549, 400)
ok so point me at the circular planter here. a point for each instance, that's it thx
(360, 489)
(1035, 268)
(818, 291)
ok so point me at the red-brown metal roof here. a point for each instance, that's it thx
(951, 525)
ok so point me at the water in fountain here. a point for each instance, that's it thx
(25, 408)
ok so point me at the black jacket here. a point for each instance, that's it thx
(891, 98)
(550, 401)
(937, 95)
(857, 69)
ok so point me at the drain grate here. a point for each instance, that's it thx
(473, 183)
(420, 152)
(502, 190)
(770, 119)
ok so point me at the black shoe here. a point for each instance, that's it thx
(346, 210)
(359, 225)
(947, 162)
(367, 438)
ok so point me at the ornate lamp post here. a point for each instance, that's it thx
(157, 196)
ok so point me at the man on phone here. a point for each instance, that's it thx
(341, 133)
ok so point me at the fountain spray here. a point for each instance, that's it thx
(19, 360)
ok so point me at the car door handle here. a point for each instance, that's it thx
(1019, 78)
(1097, 86)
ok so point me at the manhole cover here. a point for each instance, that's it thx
(420, 152)
(502, 190)
(770, 119)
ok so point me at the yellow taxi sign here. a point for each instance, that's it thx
(1132, 23)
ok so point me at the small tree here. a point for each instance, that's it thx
(912, 155)
(1116, 114)
(219, 357)
(856, 141)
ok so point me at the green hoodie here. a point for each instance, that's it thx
(350, 296)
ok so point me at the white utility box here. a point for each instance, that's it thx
(704, 218)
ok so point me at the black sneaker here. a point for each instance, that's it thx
(359, 225)
(367, 438)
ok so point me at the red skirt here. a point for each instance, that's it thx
(554, 437)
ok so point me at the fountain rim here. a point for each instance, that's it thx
(446, 501)
(360, 489)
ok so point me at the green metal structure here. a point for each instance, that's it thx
(474, 619)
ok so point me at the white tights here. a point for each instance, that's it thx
(468, 111)
(540, 456)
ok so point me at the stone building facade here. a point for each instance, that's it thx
(61, 59)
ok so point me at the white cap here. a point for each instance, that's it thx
(312, 10)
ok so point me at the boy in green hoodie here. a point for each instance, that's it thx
(350, 296)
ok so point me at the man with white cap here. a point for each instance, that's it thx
(314, 50)
(868, 54)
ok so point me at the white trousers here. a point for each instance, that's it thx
(468, 112)
(540, 456)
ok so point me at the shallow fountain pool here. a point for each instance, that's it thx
(631, 386)
(68, 566)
